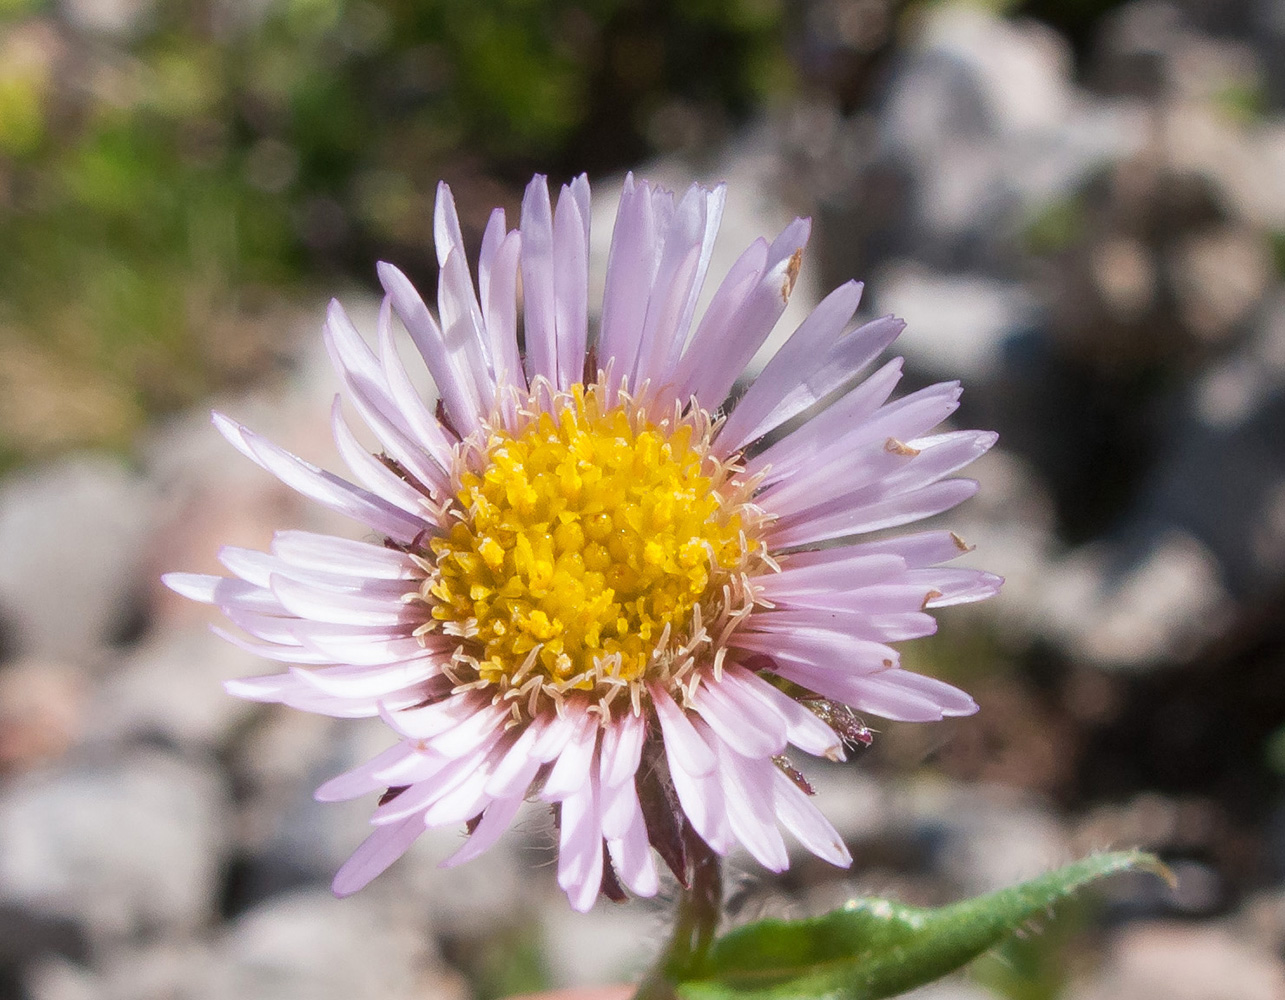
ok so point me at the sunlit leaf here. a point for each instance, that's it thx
(874, 948)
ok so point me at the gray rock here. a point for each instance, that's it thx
(613, 944)
(171, 686)
(991, 837)
(165, 971)
(72, 552)
(1133, 611)
(956, 324)
(984, 114)
(311, 946)
(121, 844)
(1168, 961)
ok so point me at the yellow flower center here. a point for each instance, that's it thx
(593, 546)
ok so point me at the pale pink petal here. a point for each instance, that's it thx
(370, 471)
(495, 820)
(341, 555)
(272, 651)
(632, 857)
(501, 313)
(402, 427)
(835, 370)
(372, 682)
(338, 606)
(462, 333)
(956, 586)
(258, 568)
(682, 259)
(719, 353)
(919, 550)
(785, 387)
(826, 523)
(824, 648)
(750, 725)
(538, 295)
(375, 650)
(872, 693)
(622, 744)
(715, 200)
(422, 427)
(798, 450)
(580, 847)
(701, 795)
(375, 854)
(750, 806)
(571, 282)
(472, 732)
(571, 771)
(325, 488)
(631, 265)
(221, 591)
(619, 807)
(515, 770)
(433, 720)
(680, 734)
(802, 727)
(801, 579)
(798, 815)
(362, 779)
(455, 385)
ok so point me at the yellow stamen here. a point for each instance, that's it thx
(587, 541)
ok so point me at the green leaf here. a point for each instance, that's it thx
(874, 948)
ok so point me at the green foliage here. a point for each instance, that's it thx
(199, 165)
(1057, 226)
(875, 948)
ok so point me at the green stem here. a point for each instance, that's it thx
(695, 921)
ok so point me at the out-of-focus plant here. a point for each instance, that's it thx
(170, 172)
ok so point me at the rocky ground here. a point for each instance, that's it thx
(1097, 257)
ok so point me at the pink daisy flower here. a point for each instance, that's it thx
(590, 579)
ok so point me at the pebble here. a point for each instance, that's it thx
(122, 843)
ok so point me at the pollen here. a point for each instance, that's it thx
(592, 545)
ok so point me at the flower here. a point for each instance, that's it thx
(586, 583)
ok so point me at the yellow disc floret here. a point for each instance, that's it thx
(586, 542)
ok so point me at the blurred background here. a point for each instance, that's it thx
(1078, 206)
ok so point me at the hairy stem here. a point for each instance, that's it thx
(695, 921)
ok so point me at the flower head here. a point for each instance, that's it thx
(586, 581)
